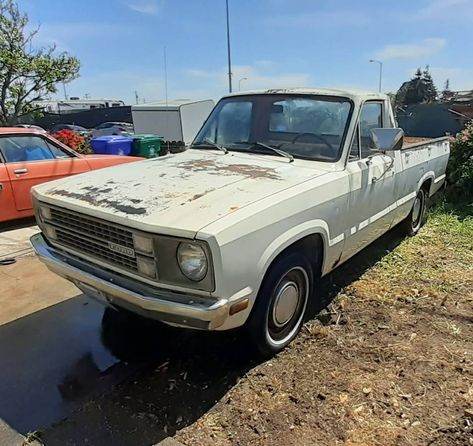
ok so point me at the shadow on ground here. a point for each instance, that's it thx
(17, 224)
(101, 379)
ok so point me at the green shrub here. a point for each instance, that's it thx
(460, 166)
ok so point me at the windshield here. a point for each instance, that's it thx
(305, 126)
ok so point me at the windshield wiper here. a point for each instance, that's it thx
(273, 149)
(207, 142)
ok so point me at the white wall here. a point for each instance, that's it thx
(159, 122)
(192, 117)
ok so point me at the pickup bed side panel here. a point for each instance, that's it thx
(440, 152)
(421, 163)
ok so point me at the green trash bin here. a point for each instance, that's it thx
(148, 146)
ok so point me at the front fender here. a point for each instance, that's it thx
(296, 233)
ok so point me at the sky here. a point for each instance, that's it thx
(274, 43)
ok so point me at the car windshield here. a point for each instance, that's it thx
(305, 126)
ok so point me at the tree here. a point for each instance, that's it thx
(420, 89)
(27, 73)
(429, 90)
(447, 94)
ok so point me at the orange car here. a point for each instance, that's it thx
(29, 157)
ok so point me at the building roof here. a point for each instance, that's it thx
(173, 104)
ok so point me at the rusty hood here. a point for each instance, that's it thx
(176, 194)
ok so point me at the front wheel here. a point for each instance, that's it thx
(279, 309)
(416, 217)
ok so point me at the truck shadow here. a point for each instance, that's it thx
(17, 224)
(354, 268)
(180, 374)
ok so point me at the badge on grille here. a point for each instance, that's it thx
(123, 250)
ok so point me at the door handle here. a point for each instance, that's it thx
(20, 171)
(1, 187)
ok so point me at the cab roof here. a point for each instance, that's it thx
(351, 94)
(9, 130)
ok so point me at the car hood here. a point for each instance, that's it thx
(176, 194)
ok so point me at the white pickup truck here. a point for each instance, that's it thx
(278, 188)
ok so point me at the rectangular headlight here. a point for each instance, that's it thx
(143, 244)
(45, 212)
(146, 266)
(49, 232)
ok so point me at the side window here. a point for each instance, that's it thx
(355, 146)
(25, 148)
(57, 152)
(371, 117)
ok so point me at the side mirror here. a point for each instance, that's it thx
(388, 139)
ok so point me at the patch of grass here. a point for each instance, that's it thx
(435, 262)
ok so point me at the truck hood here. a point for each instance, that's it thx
(176, 194)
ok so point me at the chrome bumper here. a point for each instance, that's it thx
(115, 290)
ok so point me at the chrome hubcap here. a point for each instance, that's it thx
(416, 210)
(285, 304)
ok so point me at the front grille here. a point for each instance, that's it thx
(92, 236)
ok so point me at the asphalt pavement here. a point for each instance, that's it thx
(80, 374)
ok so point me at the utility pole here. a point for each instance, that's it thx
(137, 98)
(228, 52)
(380, 71)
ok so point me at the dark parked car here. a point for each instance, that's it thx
(75, 128)
(113, 128)
(30, 126)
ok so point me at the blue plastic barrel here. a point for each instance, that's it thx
(111, 145)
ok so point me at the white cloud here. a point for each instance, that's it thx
(319, 19)
(119, 84)
(260, 75)
(446, 10)
(64, 35)
(149, 7)
(460, 78)
(424, 48)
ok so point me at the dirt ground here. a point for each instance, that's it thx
(27, 285)
(389, 363)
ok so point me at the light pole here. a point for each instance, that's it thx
(228, 52)
(380, 71)
(239, 82)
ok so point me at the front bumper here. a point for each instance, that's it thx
(169, 307)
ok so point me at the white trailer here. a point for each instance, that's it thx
(74, 105)
(178, 120)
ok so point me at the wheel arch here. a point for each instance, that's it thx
(310, 237)
(426, 182)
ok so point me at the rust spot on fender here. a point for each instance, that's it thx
(197, 196)
(246, 170)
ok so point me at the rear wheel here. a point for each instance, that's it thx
(416, 217)
(279, 309)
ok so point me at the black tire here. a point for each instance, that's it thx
(271, 327)
(416, 218)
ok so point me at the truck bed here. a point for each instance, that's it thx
(412, 142)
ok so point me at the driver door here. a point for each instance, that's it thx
(32, 160)
(372, 186)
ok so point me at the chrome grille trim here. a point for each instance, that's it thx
(95, 228)
(92, 236)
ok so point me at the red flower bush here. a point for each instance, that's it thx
(73, 140)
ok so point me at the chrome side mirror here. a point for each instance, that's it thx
(388, 139)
